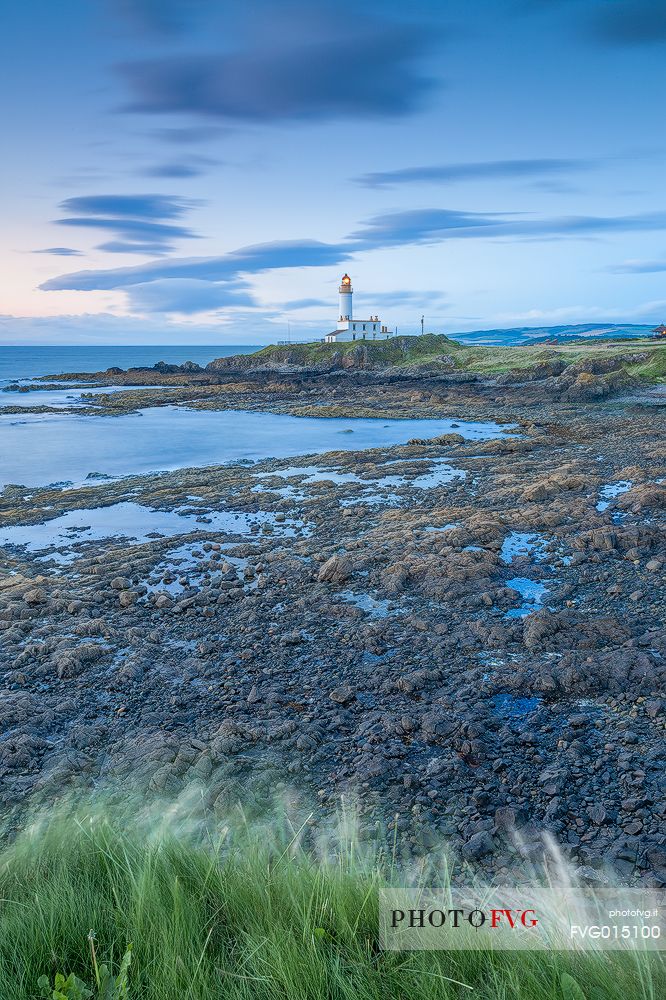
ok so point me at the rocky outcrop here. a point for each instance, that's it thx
(337, 569)
(373, 638)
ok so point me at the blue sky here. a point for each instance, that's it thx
(197, 171)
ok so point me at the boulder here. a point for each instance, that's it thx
(35, 596)
(342, 694)
(337, 569)
(478, 846)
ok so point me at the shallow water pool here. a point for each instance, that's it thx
(38, 450)
(134, 522)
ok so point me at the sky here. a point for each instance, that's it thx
(204, 171)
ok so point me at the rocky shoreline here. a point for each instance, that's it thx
(468, 637)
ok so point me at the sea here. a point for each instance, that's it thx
(65, 448)
(27, 362)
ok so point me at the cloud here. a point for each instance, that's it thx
(158, 330)
(582, 313)
(60, 252)
(187, 295)
(132, 206)
(247, 260)
(129, 228)
(295, 304)
(437, 224)
(408, 297)
(492, 169)
(175, 171)
(264, 326)
(137, 221)
(638, 267)
(161, 17)
(301, 75)
(191, 135)
(614, 22)
(200, 284)
(630, 22)
(424, 226)
(194, 166)
(146, 249)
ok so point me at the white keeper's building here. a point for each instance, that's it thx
(349, 328)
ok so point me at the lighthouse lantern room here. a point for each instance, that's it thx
(346, 295)
(349, 328)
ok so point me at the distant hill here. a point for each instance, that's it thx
(541, 334)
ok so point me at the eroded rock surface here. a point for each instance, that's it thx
(481, 653)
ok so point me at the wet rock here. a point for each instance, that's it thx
(73, 662)
(35, 596)
(505, 818)
(597, 813)
(578, 721)
(395, 577)
(254, 695)
(337, 569)
(203, 768)
(478, 846)
(342, 695)
(448, 439)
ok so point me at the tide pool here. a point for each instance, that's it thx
(44, 449)
(69, 532)
(61, 398)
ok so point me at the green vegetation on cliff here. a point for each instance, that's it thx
(642, 357)
(379, 353)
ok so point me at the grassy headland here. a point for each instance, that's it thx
(249, 914)
(643, 357)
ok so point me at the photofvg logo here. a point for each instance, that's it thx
(514, 919)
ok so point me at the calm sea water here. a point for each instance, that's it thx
(38, 449)
(42, 449)
(29, 362)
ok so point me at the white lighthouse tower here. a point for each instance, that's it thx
(349, 328)
(346, 295)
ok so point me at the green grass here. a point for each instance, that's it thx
(437, 349)
(247, 914)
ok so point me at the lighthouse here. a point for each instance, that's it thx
(346, 293)
(349, 328)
